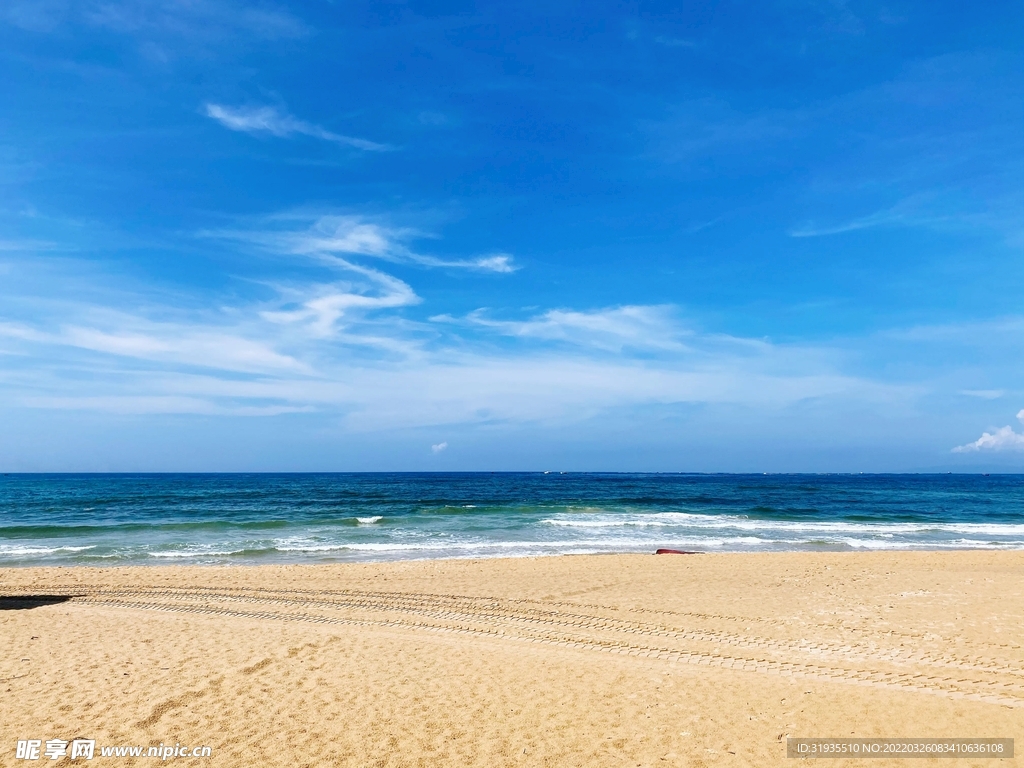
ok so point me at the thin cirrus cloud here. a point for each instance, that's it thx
(1002, 331)
(529, 387)
(196, 22)
(332, 309)
(207, 347)
(444, 389)
(640, 327)
(344, 346)
(171, 404)
(984, 394)
(209, 19)
(26, 245)
(933, 209)
(1001, 439)
(882, 218)
(270, 121)
(927, 208)
(949, 179)
(324, 236)
(245, 360)
(329, 305)
(179, 344)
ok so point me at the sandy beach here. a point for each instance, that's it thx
(621, 660)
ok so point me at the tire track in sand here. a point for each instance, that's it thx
(583, 627)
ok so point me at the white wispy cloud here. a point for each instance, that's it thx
(525, 387)
(322, 312)
(880, 218)
(206, 347)
(438, 389)
(884, 143)
(22, 332)
(969, 332)
(438, 448)
(326, 235)
(497, 262)
(1000, 439)
(135, 405)
(269, 120)
(252, 363)
(641, 327)
(921, 209)
(34, 15)
(949, 209)
(208, 19)
(349, 348)
(26, 245)
(205, 21)
(174, 343)
(351, 310)
(984, 394)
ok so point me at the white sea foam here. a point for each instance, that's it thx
(9, 551)
(616, 544)
(196, 553)
(725, 522)
(797, 519)
(577, 531)
(312, 547)
(856, 543)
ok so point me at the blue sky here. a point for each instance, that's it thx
(784, 236)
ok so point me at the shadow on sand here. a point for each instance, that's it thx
(24, 602)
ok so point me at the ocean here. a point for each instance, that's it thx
(272, 518)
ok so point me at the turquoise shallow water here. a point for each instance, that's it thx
(260, 518)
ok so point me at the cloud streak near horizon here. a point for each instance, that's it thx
(339, 344)
(286, 354)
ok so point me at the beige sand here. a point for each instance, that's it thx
(567, 661)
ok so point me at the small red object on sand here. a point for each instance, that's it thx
(675, 552)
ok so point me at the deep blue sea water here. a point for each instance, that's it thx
(261, 518)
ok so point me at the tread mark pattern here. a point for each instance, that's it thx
(589, 627)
